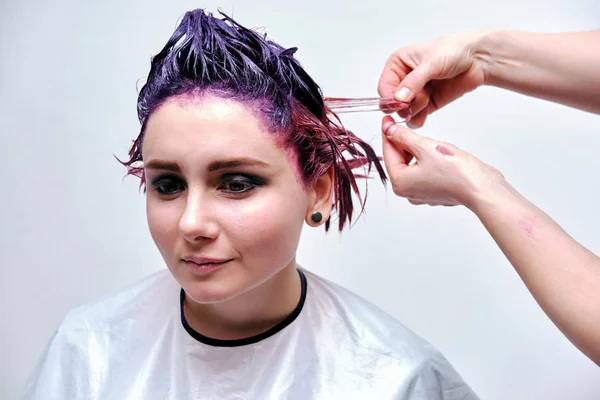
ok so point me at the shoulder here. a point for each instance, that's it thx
(90, 334)
(372, 334)
(102, 313)
(359, 314)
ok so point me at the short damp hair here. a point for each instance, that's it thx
(208, 55)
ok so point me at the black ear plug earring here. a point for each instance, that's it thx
(316, 217)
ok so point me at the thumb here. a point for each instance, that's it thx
(403, 138)
(415, 81)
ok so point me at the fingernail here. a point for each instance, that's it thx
(402, 94)
(390, 130)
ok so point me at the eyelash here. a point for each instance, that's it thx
(251, 183)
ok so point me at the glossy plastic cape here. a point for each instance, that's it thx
(135, 345)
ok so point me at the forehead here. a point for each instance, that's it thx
(207, 128)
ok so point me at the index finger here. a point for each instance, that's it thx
(393, 72)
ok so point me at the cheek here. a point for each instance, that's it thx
(266, 230)
(163, 224)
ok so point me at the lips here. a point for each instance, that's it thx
(205, 261)
(204, 266)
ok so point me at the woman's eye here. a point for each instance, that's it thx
(167, 186)
(238, 184)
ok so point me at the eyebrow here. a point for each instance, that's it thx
(214, 166)
(162, 165)
(234, 163)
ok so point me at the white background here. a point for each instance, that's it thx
(72, 229)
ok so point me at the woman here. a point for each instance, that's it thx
(562, 275)
(237, 152)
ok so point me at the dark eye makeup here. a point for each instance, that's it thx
(240, 183)
(167, 184)
(231, 184)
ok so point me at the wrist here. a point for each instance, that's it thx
(496, 194)
(486, 50)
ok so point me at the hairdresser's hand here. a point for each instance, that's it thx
(441, 173)
(432, 74)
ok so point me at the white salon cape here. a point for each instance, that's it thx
(136, 344)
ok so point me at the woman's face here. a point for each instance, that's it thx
(224, 203)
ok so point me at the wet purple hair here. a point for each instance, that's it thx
(208, 55)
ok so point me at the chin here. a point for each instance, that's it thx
(205, 293)
(207, 298)
(210, 289)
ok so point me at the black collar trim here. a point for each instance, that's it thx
(252, 339)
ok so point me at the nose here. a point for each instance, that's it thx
(198, 222)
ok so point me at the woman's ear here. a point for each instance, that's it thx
(321, 199)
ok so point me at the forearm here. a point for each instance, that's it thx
(560, 67)
(562, 275)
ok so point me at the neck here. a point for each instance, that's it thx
(250, 313)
